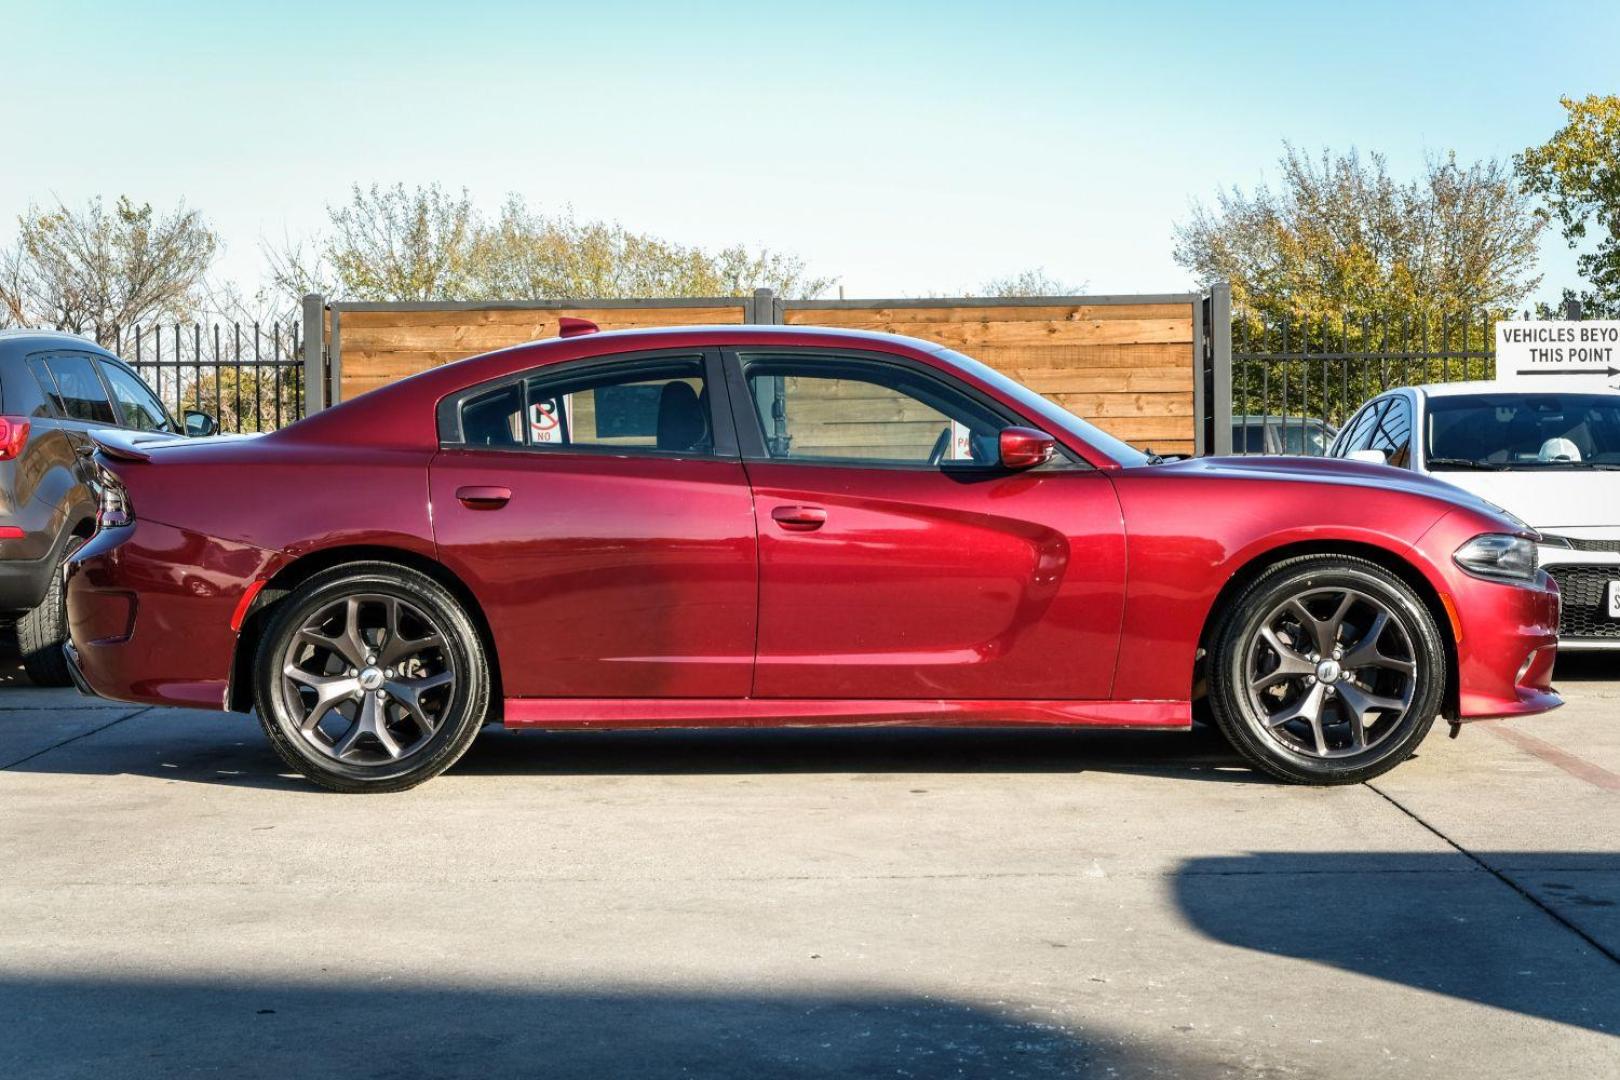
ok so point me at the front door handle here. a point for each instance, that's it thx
(484, 498)
(799, 518)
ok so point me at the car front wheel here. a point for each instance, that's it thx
(1327, 670)
(371, 678)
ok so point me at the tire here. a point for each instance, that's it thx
(42, 632)
(1264, 691)
(371, 727)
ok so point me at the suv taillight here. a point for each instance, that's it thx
(13, 436)
(114, 511)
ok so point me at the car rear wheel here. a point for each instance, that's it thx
(42, 632)
(1328, 670)
(371, 678)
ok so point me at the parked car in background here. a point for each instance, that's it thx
(56, 390)
(1303, 435)
(1551, 458)
(765, 525)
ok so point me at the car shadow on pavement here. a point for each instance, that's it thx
(1587, 667)
(162, 1027)
(182, 746)
(1197, 755)
(1439, 922)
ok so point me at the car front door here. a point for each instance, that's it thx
(600, 510)
(898, 559)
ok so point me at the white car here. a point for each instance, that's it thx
(1550, 457)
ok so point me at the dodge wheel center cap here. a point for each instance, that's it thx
(371, 679)
(1328, 671)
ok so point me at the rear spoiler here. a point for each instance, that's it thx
(131, 445)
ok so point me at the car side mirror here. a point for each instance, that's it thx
(1025, 448)
(199, 423)
(1369, 457)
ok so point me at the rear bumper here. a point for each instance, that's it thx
(24, 582)
(149, 612)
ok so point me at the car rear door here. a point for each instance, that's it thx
(600, 512)
(898, 559)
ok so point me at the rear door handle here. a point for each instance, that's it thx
(799, 518)
(484, 498)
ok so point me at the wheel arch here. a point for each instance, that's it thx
(289, 577)
(1405, 569)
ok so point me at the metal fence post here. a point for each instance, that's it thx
(314, 354)
(1220, 342)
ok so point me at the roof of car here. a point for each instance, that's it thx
(25, 336)
(1464, 389)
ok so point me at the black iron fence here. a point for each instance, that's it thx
(247, 376)
(1296, 381)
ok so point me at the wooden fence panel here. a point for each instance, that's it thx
(1127, 367)
(379, 347)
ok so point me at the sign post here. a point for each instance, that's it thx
(1535, 355)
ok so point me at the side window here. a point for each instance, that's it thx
(82, 395)
(52, 405)
(138, 404)
(659, 405)
(838, 410)
(1393, 434)
(1357, 434)
(1249, 438)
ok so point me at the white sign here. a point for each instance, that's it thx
(1532, 355)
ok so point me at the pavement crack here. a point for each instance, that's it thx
(1499, 875)
(74, 738)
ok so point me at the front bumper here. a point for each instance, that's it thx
(1507, 645)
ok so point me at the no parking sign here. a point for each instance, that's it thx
(551, 420)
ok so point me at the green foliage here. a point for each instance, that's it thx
(393, 244)
(1577, 174)
(1339, 234)
(246, 401)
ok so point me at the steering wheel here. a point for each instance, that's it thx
(941, 444)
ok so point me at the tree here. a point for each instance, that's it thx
(1577, 174)
(394, 244)
(1032, 282)
(76, 268)
(1341, 235)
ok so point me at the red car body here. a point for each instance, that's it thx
(619, 591)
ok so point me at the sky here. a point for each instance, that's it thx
(906, 149)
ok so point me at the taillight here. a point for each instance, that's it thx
(114, 511)
(13, 436)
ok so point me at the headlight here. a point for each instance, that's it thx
(1499, 557)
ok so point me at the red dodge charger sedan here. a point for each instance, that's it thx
(786, 526)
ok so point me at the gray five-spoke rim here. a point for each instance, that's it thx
(1331, 673)
(367, 679)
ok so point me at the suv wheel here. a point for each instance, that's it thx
(371, 677)
(42, 632)
(1328, 670)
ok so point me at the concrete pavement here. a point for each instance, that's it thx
(800, 903)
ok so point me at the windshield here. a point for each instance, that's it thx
(1524, 431)
(1054, 415)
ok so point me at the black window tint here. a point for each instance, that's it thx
(82, 395)
(643, 405)
(52, 405)
(859, 411)
(1249, 438)
(138, 404)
